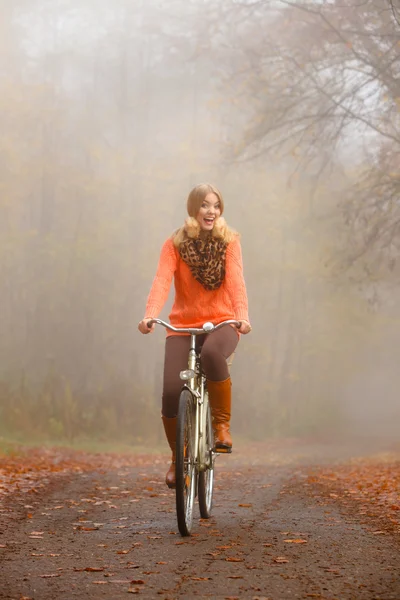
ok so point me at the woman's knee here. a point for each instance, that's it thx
(214, 364)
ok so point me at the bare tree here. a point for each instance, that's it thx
(320, 82)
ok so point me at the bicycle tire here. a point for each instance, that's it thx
(206, 478)
(186, 471)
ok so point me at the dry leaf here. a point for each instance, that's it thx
(281, 559)
(234, 559)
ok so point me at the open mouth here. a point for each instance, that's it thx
(208, 221)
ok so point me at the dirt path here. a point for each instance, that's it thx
(109, 533)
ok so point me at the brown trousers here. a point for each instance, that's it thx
(216, 347)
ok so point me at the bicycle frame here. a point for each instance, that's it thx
(196, 386)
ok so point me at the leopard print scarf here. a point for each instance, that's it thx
(206, 259)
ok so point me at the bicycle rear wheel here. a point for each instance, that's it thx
(186, 472)
(206, 478)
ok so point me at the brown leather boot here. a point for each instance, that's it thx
(170, 432)
(219, 393)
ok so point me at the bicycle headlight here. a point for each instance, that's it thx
(187, 374)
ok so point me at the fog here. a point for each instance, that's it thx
(110, 113)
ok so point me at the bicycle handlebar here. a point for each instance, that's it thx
(207, 327)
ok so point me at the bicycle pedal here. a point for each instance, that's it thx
(222, 450)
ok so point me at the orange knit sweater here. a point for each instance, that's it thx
(193, 304)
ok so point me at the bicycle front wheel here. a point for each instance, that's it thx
(186, 473)
(206, 477)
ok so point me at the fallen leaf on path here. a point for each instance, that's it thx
(245, 505)
(332, 570)
(281, 559)
(50, 575)
(297, 541)
(234, 559)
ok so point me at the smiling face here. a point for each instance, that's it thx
(209, 211)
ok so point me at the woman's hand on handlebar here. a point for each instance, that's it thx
(245, 327)
(144, 327)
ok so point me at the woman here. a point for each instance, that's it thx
(204, 258)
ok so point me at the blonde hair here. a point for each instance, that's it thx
(191, 228)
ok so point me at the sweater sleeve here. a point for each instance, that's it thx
(162, 280)
(235, 281)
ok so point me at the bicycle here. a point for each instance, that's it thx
(195, 452)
